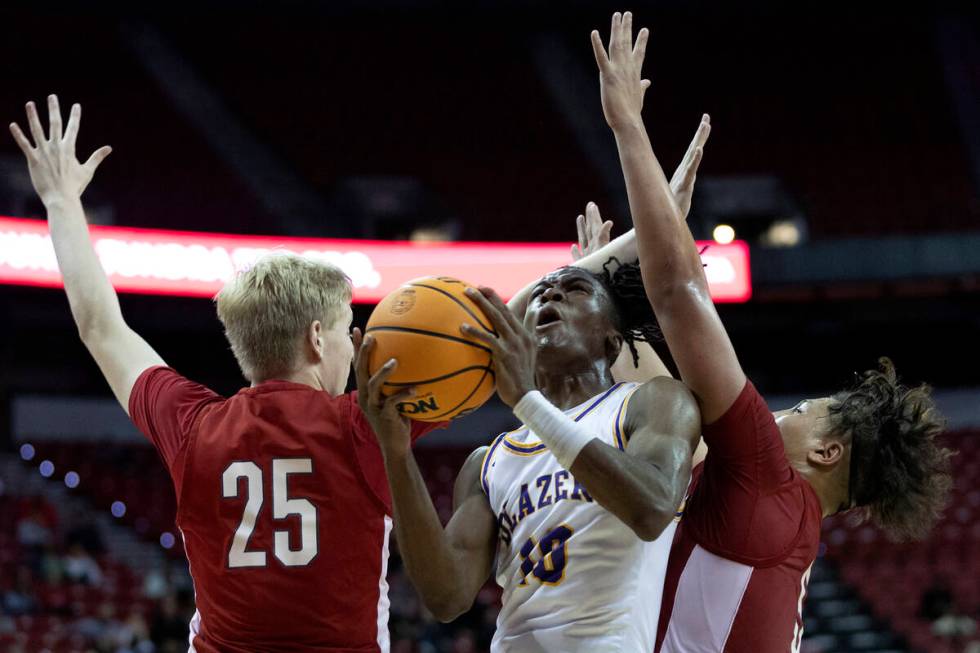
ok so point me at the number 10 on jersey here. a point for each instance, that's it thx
(552, 554)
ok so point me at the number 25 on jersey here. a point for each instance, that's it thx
(282, 507)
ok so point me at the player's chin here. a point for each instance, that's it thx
(552, 343)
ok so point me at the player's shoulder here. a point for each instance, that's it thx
(164, 388)
(471, 477)
(473, 464)
(664, 396)
(156, 376)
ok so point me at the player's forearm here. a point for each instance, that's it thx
(92, 299)
(668, 254)
(622, 248)
(429, 558)
(641, 495)
(631, 488)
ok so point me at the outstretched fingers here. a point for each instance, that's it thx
(615, 35)
(22, 142)
(54, 118)
(704, 130)
(71, 130)
(34, 124)
(97, 157)
(601, 57)
(640, 47)
(626, 31)
(700, 138)
(605, 233)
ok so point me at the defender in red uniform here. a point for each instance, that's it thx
(750, 529)
(282, 499)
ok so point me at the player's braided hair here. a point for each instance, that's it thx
(634, 315)
(899, 474)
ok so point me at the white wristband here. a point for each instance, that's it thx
(559, 432)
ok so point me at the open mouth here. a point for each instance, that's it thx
(547, 317)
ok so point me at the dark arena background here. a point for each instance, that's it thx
(845, 153)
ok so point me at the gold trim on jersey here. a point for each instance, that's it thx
(679, 515)
(523, 449)
(619, 433)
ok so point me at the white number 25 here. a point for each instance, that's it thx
(282, 507)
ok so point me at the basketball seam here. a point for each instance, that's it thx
(468, 397)
(434, 334)
(403, 384)
(461, 304)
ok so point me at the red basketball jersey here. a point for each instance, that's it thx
(284, 508)
(749, 533)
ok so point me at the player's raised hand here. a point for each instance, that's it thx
(682, 183)
(593, 233)
(55, 172)
(620, 76)
(514, 350)
(390, 426)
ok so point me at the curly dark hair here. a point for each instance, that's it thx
(899, 474)
(633, 314)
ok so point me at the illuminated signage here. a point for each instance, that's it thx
(196, 264)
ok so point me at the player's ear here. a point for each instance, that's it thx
(614, 345)
(827, 454)
(314, 340)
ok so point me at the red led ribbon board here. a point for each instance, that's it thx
(196, 264)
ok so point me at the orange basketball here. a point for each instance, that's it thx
(418, 324)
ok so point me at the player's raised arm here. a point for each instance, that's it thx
(594, 248)
(448, 566)
(59, 179)
(671, 266)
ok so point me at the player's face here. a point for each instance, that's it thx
(568, 316)
(803, 427)
(338, 352)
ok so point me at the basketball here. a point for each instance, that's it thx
(419, 325)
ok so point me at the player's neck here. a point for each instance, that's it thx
(307, 376)
(828, 489)
(572, 388)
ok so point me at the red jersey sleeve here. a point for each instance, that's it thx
(748, 504)
(164, 405)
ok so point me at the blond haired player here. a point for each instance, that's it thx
(281, 495)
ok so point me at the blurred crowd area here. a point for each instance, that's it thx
(415, 630)
(61, 591)
(62, 588)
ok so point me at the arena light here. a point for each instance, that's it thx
(196, 264)
(723, 234)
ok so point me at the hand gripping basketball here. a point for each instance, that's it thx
(514, 351)
(418, 324)
(390, 426)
